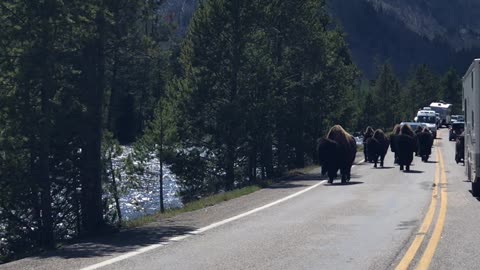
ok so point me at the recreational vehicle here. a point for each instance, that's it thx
(444, 111)
(471, 108)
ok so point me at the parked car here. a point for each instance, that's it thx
(453, 118)
(457, 118)
(456, 130)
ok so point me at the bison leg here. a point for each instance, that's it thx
(331, 175)
(324, 170)
(407, 168)
(382, 158)
(344, 178)
(401, 167)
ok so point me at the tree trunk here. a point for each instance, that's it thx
(233, 123)
(92, 208)
(160, 157)
(252, 163)
(230, 168)
(267, 159)
(115, 189)
(282, 150)
(46, 91)
(44, 175)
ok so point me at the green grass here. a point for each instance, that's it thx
(360, 148)
(192, 206)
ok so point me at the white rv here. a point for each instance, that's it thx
(444, 111)
(471, 108)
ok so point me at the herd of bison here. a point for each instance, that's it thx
(338, 149)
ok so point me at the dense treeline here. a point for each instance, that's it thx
(387, 101)
(71, 73)
(259, 82)
(242, 98)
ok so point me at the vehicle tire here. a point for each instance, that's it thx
(476, 188)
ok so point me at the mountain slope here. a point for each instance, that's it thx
(440, 33)
(378, 31)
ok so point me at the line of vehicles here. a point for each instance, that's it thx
(463, 129)
(434, 117)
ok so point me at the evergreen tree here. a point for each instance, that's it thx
(387, 97)
(451, 88)
(422, 88)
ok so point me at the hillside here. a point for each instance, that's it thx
(439, 33)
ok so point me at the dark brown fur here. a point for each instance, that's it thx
(337, 152)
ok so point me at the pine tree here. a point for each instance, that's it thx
(423, 88)
(387, 97)
(451, 89)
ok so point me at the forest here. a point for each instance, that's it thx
(242, 98)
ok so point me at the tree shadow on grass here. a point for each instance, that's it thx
(120, 242)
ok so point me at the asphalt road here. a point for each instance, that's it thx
(384, 219)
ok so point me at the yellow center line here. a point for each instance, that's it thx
(427, 221)
(437, 232)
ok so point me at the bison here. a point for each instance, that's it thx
(378, 147)
(405, 146)
(393, 136)
(367, 135)
(337, 152)
(424, 144)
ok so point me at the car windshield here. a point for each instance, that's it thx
(426, 119)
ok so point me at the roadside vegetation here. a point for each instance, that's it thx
(241, 99)
(192, 206)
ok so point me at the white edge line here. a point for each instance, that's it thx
(196, 232)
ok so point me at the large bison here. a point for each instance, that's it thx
(424, 144)
(405, 146)
(378, 147)
(366, 136)
(337, 152)
(393, 136)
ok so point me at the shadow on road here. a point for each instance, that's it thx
(478, 198)
(384, 168)
(123, 241)
(432, 161)
(414, 171)
(283, 185)
(339, 184)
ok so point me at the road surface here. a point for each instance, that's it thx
(384, 219)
